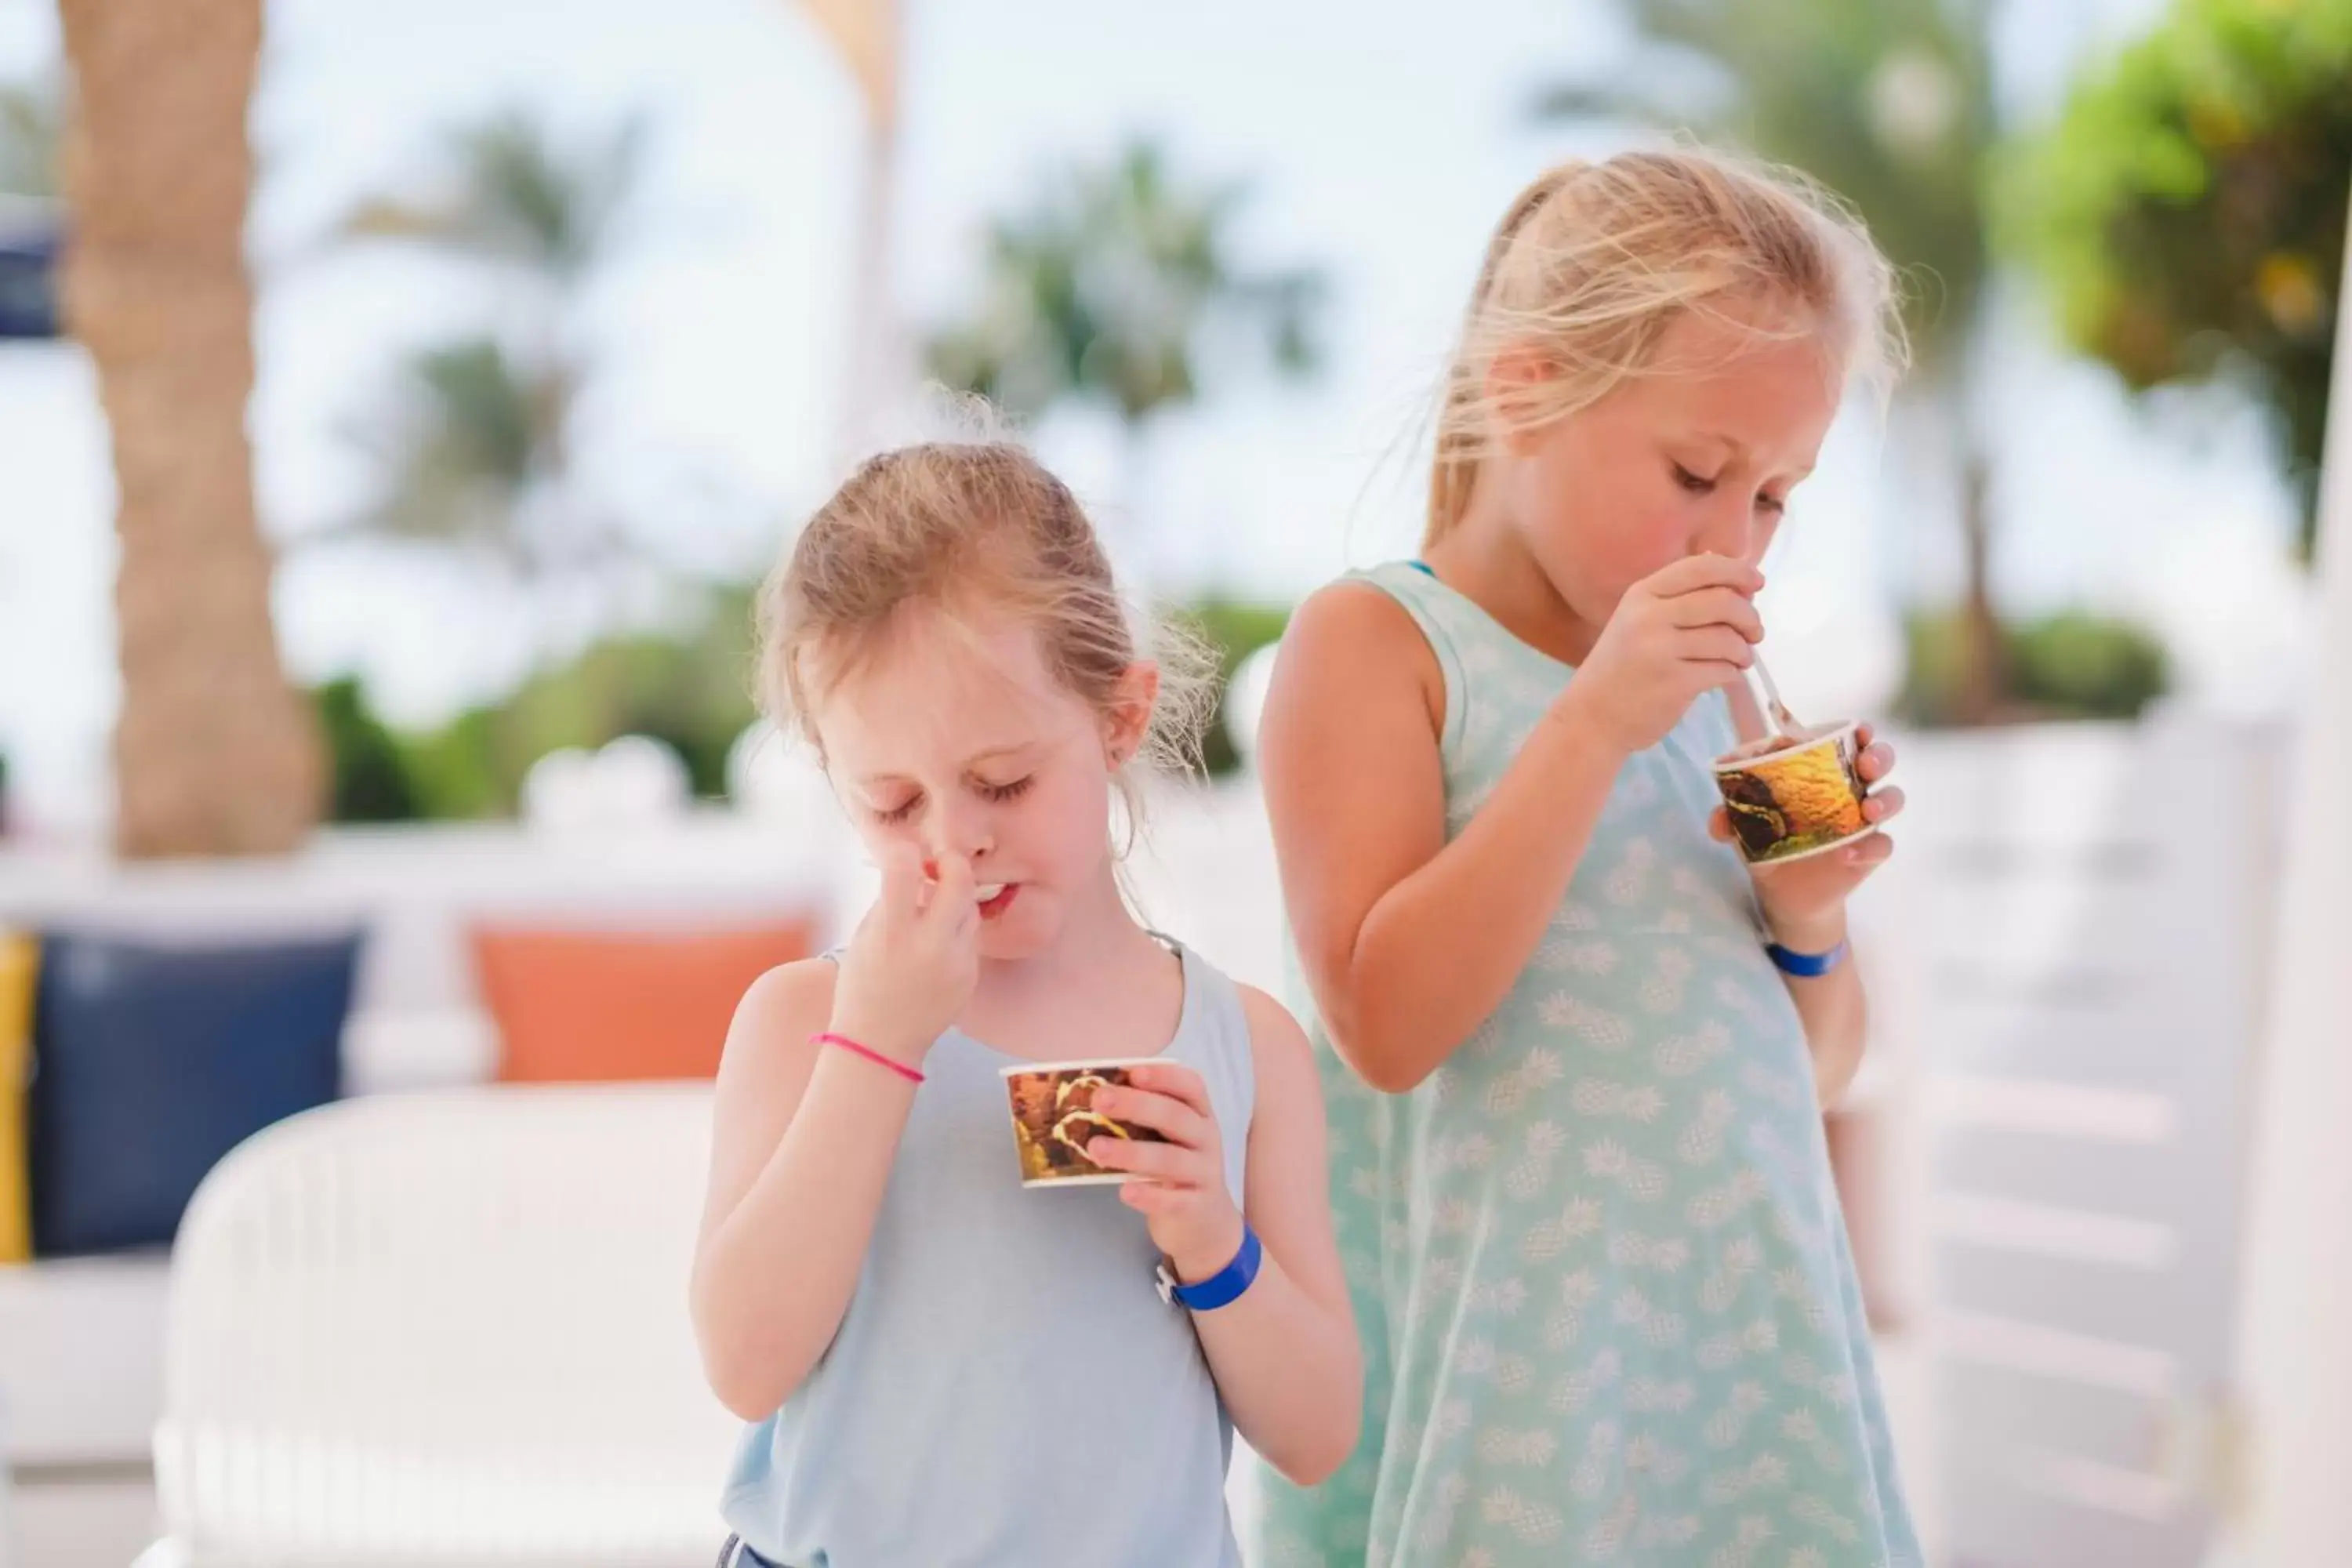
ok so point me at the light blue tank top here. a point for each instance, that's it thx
(1007, 1386)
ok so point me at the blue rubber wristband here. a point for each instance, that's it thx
(1806, 966)
(1219, 1288)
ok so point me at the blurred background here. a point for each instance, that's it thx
(400, 403)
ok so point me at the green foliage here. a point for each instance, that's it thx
(2078, 663)
(1107, 286)
(2187, 211)
(1236, 630)
(692, 694)
(690, 689)
(468, 768)
(2070, 664)
(370, 781)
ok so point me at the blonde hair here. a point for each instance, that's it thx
(959, 527)
(1593, 263)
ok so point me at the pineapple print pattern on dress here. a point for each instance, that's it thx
(1609, 1311)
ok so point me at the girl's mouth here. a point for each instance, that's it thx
(996, 898)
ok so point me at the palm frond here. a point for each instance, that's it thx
(1106, 286)
(468, 438)
(508, 191)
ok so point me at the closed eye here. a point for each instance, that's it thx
(1692, 482)
(1776, 505)
(893, 815)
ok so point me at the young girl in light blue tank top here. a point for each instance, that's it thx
(940, 1365)
(1575, 1052)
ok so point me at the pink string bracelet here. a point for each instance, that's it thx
(912, 1075)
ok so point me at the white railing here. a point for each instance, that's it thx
(2075, 948)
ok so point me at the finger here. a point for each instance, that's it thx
(1876, 761)
(1883, 804)
(1716, 644)
(1717, 606)
(1718, 826)
(962, 927)
(1153, 1197)
(1864, 734)
(1695, 572)
(1175, 1081)
(1869, 854)
(953, 889)
(902, 876)
(1162, 1162)
(1172, 1118)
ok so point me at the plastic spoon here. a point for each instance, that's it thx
(1767, 699)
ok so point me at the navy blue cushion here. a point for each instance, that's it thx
(151, 1061)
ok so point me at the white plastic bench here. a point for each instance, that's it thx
(444, 1328)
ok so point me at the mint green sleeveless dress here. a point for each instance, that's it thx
(1608, 1311)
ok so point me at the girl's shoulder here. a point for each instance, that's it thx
(1356, 639)
(1285, 1084)
(1274, 1049)
(779, 1012)
(1367, 610)
(1274, 1033)
(789, 990)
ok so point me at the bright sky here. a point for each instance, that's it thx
(1381, 139)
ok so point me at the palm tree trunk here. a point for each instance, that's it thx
(882, 368)
(1984, 683)
(214, 752)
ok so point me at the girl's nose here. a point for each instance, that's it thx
(957, 829)
(1728, 528)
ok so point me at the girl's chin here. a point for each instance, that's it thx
(1022, 932)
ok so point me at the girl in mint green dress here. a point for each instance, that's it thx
(1575, 1051)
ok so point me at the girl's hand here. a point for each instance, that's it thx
(1677, 632)
(1182, 1196)
(1800, 897)
(912, 965)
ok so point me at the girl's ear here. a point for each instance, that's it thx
(1515, 391)
(1129, 722)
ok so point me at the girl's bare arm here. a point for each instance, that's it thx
(1409, 940)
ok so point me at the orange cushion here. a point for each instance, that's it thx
(577, 1007)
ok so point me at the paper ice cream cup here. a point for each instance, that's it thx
(1054, 1117)
(1790, 797)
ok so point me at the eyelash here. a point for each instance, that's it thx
(997, 793)
(1698, 485)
